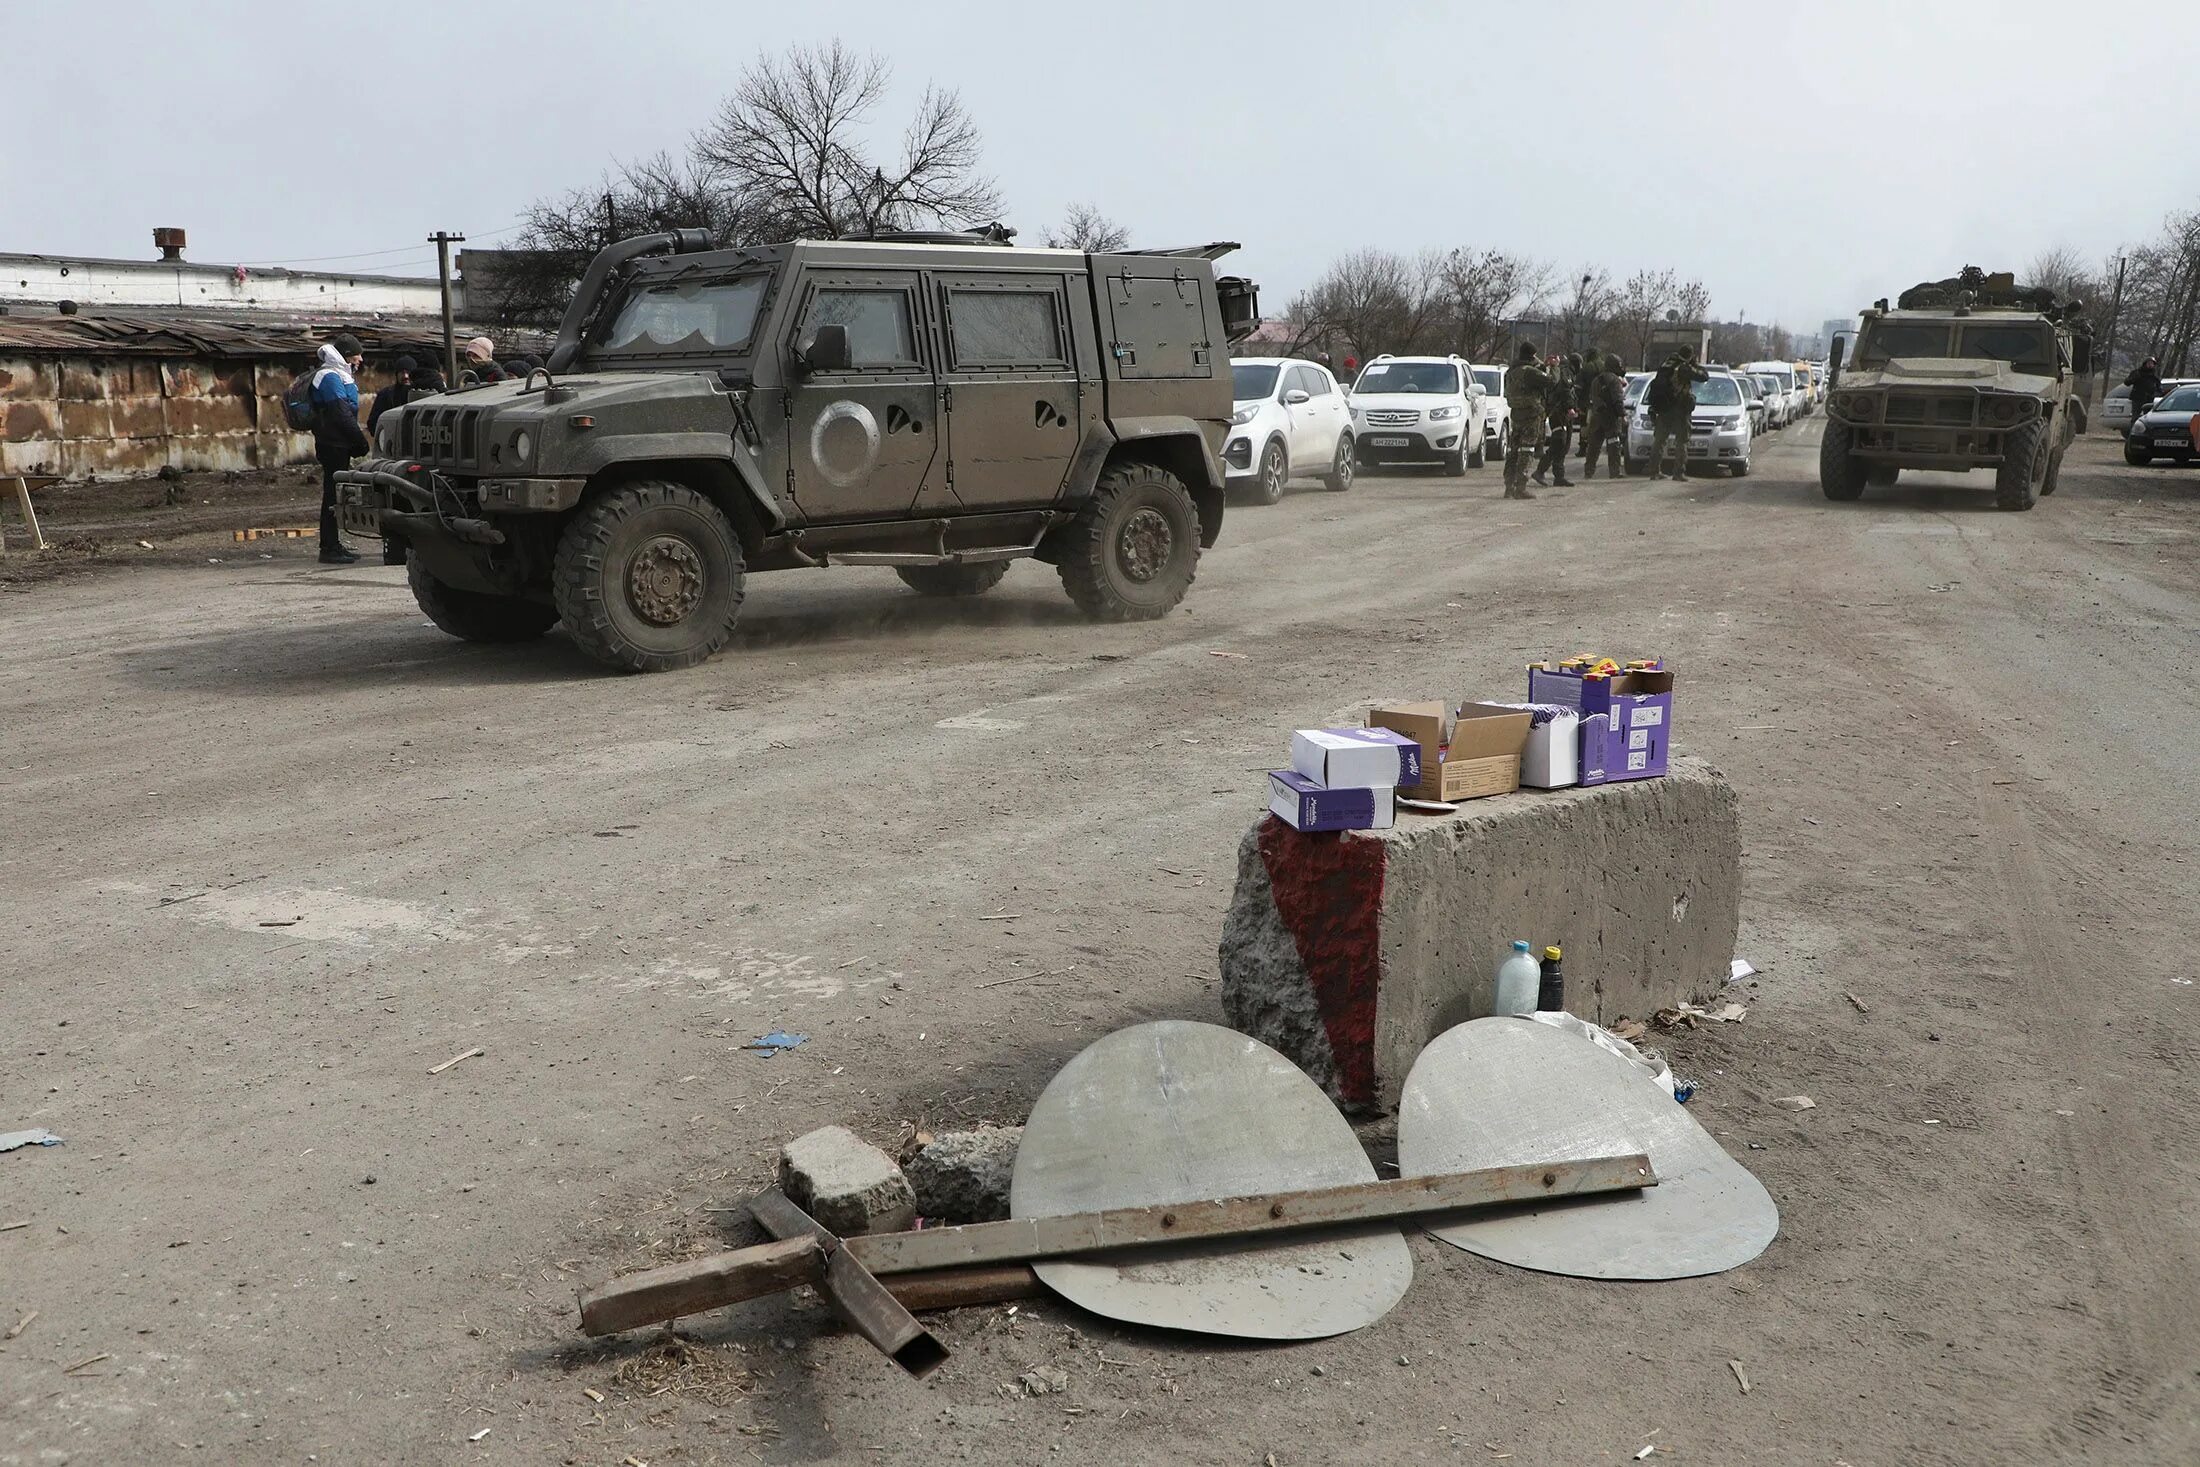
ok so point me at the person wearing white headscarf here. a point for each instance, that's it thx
(337, 436)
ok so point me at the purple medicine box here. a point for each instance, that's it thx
(1304, 805)
(1626, 720)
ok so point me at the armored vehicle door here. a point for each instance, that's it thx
(863, 440)
(1157, 321)
(1014, 403)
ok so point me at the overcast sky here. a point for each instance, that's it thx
(1799, 158)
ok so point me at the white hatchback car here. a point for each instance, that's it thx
(1497, 413)
(1776, 403)
(1291, 418)
(1419, 409)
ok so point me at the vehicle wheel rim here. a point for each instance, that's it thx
(1344, 461)
(664, 582)
(1143, 545)
(1271, 471)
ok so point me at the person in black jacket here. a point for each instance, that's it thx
(2145, 383)
(337, 436)
(396, 395)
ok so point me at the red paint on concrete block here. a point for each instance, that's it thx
(1329, 891)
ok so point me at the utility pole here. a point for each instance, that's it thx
(2115, 309)
(443, 240)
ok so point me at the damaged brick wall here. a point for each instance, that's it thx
(127, 417)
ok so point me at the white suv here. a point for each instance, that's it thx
(1290, 419)
(1418, 410)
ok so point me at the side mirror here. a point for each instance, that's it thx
(826, 350)
(1296, 396)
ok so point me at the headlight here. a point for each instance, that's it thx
(1736, 425)
(1444, 414)
(1244, 414)
(522, 445)
(385, 436)
(2002, 409)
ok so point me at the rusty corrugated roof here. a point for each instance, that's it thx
(119, 333)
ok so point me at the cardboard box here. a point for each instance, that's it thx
(1477, 749)
(1626, 721)
(1551, 758)
(1303, 804)
(1348, 758)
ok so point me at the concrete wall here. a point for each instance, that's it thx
(128, 416)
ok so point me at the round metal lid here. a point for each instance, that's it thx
(1508, 1091)
(1176, 1111)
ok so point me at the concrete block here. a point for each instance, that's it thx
(962, 1176)
(1350, 952)
(846, 1183)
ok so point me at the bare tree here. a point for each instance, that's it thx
(1486, 292)
(791, 140)
(1372, 301)
(1779, 343)
(1737, 341)
(1085, 228)
(1692, 303)
(1643, 301)
(2064, 271)
(1588, 311)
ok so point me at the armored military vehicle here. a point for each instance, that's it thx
(943, 404)
(1973, 372)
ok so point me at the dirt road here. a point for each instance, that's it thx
(274, 848)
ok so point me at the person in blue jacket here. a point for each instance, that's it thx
(337, 436)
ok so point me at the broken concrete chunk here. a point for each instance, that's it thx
(846, 1183)
(1043, 1380)
(962, 1176)
(1795, 1102)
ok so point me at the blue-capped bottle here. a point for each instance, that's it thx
(1519, 978)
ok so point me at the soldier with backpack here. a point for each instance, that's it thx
(337, 436)
(1671, 398)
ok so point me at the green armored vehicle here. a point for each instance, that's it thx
(1975, 372)
(942, 404)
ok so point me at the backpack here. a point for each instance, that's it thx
(298, 406)
(1660, 394)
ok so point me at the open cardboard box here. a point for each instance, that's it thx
(1464, 755)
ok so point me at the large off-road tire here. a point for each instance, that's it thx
(1840, 473)
(477, 616)
(1275, 472)
(649, 577)
(2023, 468)
(1345, 467)
(2054, 472)
(2138, 458)
(1882, 476)
(953, 580)
(1133, 549)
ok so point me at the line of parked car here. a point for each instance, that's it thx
(1294, 417)
(2164, 430)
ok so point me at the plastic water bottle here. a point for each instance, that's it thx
(1551, 996)
(1518, 979)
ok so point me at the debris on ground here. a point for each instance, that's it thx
(846, 1183)
(454, 1059)
(1043, 1380)
(772, 1043)
(962, 1176)
(1795, 1102)
(1740, 969)
(1691, 1016)
(1856, 1003)
(1741, 1376)
(15, 1140)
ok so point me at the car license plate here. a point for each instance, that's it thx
(2179, 442)
(1699, 443)
(1387, 441)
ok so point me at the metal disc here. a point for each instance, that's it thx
(1181, 1112)
(1506, 1091)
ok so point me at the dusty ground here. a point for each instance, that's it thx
(135, 523)
(274, 848)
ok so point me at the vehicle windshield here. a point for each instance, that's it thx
(1492, 380)
(1887, 340)
(1408, 377)
(1718, 392)
(2183, 400)
(2028, 347)
(1250, 380)
(717, 316)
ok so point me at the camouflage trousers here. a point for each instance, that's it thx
(1674, 429)
(1527, 443)
(1604, 434)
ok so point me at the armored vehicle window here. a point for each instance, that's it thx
(692, 315)
(1005, 327)
(877, 322)
(1890, 339)
(1250, 381)
(2021, 346)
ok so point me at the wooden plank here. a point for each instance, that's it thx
(727, 1278)
(1028, 1239)
(658, 1294)
(856, 1294)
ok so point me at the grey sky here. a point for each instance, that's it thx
(1823, 155)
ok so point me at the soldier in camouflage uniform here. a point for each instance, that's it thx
(1607, 428)
(1585, 381)
(1558, 408)
(1524, 386)
(1671, 410)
